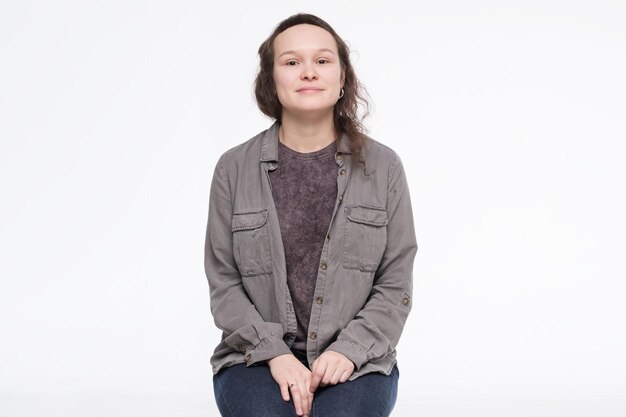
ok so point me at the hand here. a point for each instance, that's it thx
(330, 368)
(295, 378)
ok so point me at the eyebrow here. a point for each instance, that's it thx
(295, 53)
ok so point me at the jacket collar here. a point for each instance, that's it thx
(269, 146)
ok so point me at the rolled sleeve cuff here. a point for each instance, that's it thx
(351, 351)
(266, 349)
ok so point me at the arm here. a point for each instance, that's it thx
(376, 329)
(234, 313)
(232, 310)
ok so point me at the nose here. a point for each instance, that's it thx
(308, 72)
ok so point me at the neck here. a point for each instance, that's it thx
(306, 134)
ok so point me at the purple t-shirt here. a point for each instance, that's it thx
(304, 187)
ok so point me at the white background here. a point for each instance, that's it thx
(509, 117)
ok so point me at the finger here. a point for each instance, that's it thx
(327, 376)
(345, 376)
(336, 375)
(317, 376)
(284, 391)
(297, 400)
(310, 394)
(304, 395)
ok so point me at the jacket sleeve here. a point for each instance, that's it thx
(233, 312)
(376, 329)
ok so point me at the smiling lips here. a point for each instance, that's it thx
(309, 90)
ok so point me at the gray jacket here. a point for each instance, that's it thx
(364, 284)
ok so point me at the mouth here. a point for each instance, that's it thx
(309, 90)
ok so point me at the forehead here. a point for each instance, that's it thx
(304, 38)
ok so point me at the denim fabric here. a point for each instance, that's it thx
(242, 391)
(364, 281)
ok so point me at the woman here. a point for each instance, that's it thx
(310, 243)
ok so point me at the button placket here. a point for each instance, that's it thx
(342, 182)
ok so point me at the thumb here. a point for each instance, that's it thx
(313, 365)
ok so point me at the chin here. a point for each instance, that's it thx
(311, 107)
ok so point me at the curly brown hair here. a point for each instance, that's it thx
(345, 112)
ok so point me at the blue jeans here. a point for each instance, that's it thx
(242, 391)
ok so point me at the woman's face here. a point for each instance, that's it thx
(307, 72)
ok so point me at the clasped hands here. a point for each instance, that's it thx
(298, 383)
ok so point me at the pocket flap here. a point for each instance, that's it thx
(244, 221)
(368, 215)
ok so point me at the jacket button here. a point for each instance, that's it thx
(405, 301)
(323, 266)
(313, 336)
(339, 157)
(342, 172)
(243, 350)
(319, 300)
(340, 198)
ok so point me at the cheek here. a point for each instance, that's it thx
(281, 83)
(282, 78)
(335, 75)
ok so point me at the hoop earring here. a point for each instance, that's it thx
(341, 95)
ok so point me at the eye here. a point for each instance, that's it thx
(289, 62)
(325, 60)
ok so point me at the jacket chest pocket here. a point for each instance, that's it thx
(365, 237)
(251, 243)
